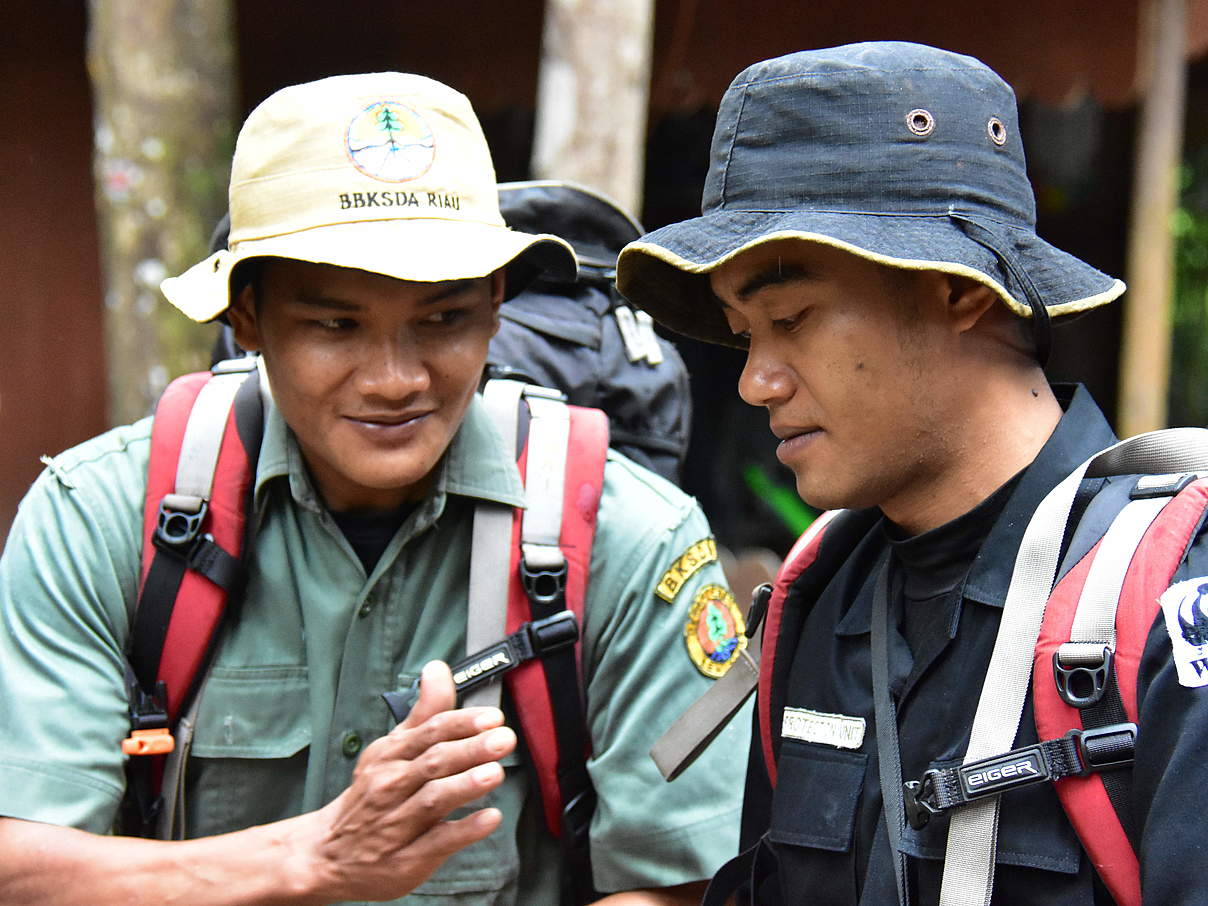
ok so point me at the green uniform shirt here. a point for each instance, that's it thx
(294, 691)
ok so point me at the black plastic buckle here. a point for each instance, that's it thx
(576, 817)
(1149, 486)
(553, 633)
(916, 795)
(1104, 748)
(178, 525)
(1082, 686)
(760, 597)
(545, 586)
(148, 711)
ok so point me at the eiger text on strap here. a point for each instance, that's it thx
(535, 639)
(204, 444)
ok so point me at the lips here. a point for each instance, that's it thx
(388, 419)
(788, 432)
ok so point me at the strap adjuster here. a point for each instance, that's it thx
(544, 585)
(179, 522)
(1105, 748)
(1083, 685)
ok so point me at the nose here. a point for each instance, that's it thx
(393, 369)
(765, 379)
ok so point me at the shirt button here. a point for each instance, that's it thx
(366, 610)
(351, 744)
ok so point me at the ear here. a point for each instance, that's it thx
(242, 317)
(968, 302)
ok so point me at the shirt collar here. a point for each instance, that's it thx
(1082, 432)
(475, 465)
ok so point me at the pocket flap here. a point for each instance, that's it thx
(817, 792)
(253, 712)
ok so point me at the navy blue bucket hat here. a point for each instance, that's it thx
(900, 153)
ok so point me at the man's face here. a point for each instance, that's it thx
(848, 357)
(372, 374)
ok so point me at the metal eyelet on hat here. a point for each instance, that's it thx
(997, 131)
(920, 121)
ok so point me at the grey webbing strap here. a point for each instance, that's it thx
(697, 727)
(171, 825)
(491, 547)
(544, 482)
(1094, 626)
(203, 436)
(889, 757)
(972, 836)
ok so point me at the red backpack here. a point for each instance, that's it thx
(1070, 701)
(204, 448)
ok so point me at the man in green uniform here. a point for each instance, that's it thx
(367, 265)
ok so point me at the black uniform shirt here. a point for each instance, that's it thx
(823, 821)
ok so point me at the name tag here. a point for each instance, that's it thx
(836, 730)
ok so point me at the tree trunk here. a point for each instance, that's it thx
(1145, 357)
(163, 93)
(592, 95)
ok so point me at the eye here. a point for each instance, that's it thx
(790, 322)
(447, 317)
(335, 324)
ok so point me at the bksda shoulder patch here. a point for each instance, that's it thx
(684, 568)
(1185, 607)
(715, 632)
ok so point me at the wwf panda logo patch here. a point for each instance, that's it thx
(1185, 607)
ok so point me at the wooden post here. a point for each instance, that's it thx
(592, 95)
(163, 91)
(1145, 356)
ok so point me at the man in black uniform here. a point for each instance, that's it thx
(868, 234)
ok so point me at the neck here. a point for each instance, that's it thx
(1004, 429)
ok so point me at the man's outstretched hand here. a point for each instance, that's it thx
(389, 831)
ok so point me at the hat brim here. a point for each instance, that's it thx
(420, 250)
(666, 272)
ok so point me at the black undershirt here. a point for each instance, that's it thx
(370, 531)
(928, 576)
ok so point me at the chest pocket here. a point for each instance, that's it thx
(248, 760)
(817, 796)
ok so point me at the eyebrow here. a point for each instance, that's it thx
(773, 275)
(316, 299)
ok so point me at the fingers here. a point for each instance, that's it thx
(447, 837)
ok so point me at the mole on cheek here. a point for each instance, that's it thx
(859, 366)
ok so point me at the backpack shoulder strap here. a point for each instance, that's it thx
(562, 460)
(205, 441)
(1088, 655)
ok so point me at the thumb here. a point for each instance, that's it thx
(436, 693)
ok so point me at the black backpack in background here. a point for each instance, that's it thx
(581, 337)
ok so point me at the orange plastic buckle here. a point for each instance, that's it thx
(149, 742)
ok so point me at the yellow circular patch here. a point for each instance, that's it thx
(715, 632)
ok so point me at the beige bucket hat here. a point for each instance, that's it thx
(384, 172)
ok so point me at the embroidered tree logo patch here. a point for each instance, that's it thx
(391, 142)
(714, 633)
